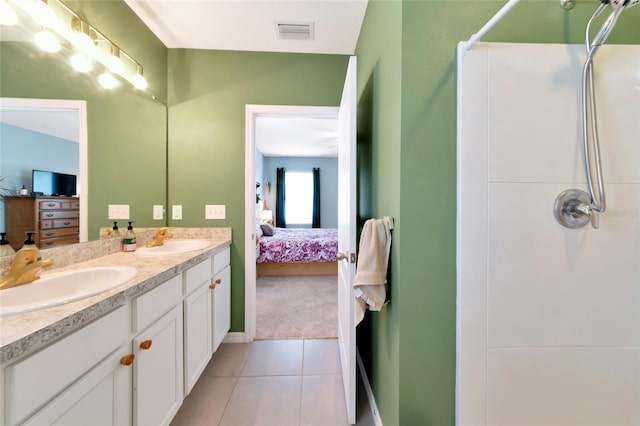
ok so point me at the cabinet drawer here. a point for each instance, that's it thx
(33, 381)
(50, 242)
(46, 224)
(59, 214)
(154, 303)
(62, 232)
(197, 275)
(59, 204)
(65, 223)
(221, 260)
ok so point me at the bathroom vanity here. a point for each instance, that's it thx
(127, 356)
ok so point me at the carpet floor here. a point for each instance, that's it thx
(297, 307)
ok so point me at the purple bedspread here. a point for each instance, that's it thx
(299, 245)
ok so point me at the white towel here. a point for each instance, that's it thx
(371, 270)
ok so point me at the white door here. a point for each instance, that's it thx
(347, 237)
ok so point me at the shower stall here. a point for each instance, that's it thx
(548, 315)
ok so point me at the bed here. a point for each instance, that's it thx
(298, 251)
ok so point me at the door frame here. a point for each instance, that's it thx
(251, 113)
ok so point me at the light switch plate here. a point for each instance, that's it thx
(118, 211)
(158, 212)
(176, 212)
(214, 211)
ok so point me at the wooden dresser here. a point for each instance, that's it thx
(55, 219)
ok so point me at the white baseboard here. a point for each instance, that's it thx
(234, 337)
(367, 388)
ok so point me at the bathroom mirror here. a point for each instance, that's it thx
(43, 134)
(125, 150)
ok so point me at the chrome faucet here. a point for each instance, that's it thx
(25, 268)
(159, 238)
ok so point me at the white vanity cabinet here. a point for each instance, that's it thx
(74, 378)
(158, 350)
(221, 296)
(197, 322)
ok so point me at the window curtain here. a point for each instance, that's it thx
(316, 198)
(280, 197)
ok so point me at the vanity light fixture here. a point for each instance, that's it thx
(138, 80)
(87, 44)
(41, 12)
(81, 62)
(113, 61)
(47, 41)
(8, 16)
(83, 36)
(108, 81)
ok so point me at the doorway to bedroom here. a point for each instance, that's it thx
(295, 169)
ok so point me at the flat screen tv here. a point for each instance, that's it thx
(54, 184)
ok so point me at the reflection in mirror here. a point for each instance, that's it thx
(43, 134)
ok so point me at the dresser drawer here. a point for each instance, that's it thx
(59, 214)
(66, 223)
(60, 241)
(55, 233)
(60, 204)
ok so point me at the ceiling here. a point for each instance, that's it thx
(61, 124)
(250, 25)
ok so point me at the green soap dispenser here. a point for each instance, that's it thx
(5, 248)
(129, 241)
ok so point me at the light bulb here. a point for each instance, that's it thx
(113, 61)
(108, 81)
(8, 16)
(81, 62)
(138, 80)
(42, 13)
(46, 41)
(81, 36)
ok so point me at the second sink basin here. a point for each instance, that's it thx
(58, 288)
(174, 247)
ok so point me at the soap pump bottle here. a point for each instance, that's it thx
(115, 233)
(5, 248)
(129, 241)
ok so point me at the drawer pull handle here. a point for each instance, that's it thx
(146, 344)
(127, 359)
(67, 223)
(48, 234)
(51, 204)
(49, 215)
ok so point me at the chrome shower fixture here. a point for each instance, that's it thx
(575, 208)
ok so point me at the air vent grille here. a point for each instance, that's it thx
(294, 30)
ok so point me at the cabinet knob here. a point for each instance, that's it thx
(212, 286)
(218, 281)
(146, 344)
(127, 359)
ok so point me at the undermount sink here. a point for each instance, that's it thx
(58, 288)
(174, 247)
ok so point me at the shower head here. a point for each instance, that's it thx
(618, 6)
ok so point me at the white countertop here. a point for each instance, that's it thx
(24, 333)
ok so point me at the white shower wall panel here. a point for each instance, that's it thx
(534, 112)
(548, 317)
(552, 286)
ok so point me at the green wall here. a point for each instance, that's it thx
(126, 128)
(424, 318)
(208, 91)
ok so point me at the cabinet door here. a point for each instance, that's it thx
(102, 397)
(157, 371)
(197, 338)
(221, 306)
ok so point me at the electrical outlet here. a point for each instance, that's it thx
(118, 211)
(158, 212)
(176, 212)
(214, 211)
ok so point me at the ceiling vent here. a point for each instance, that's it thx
(294, 30)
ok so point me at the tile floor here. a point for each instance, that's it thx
(272, 382)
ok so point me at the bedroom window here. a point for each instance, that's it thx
(299, 198)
